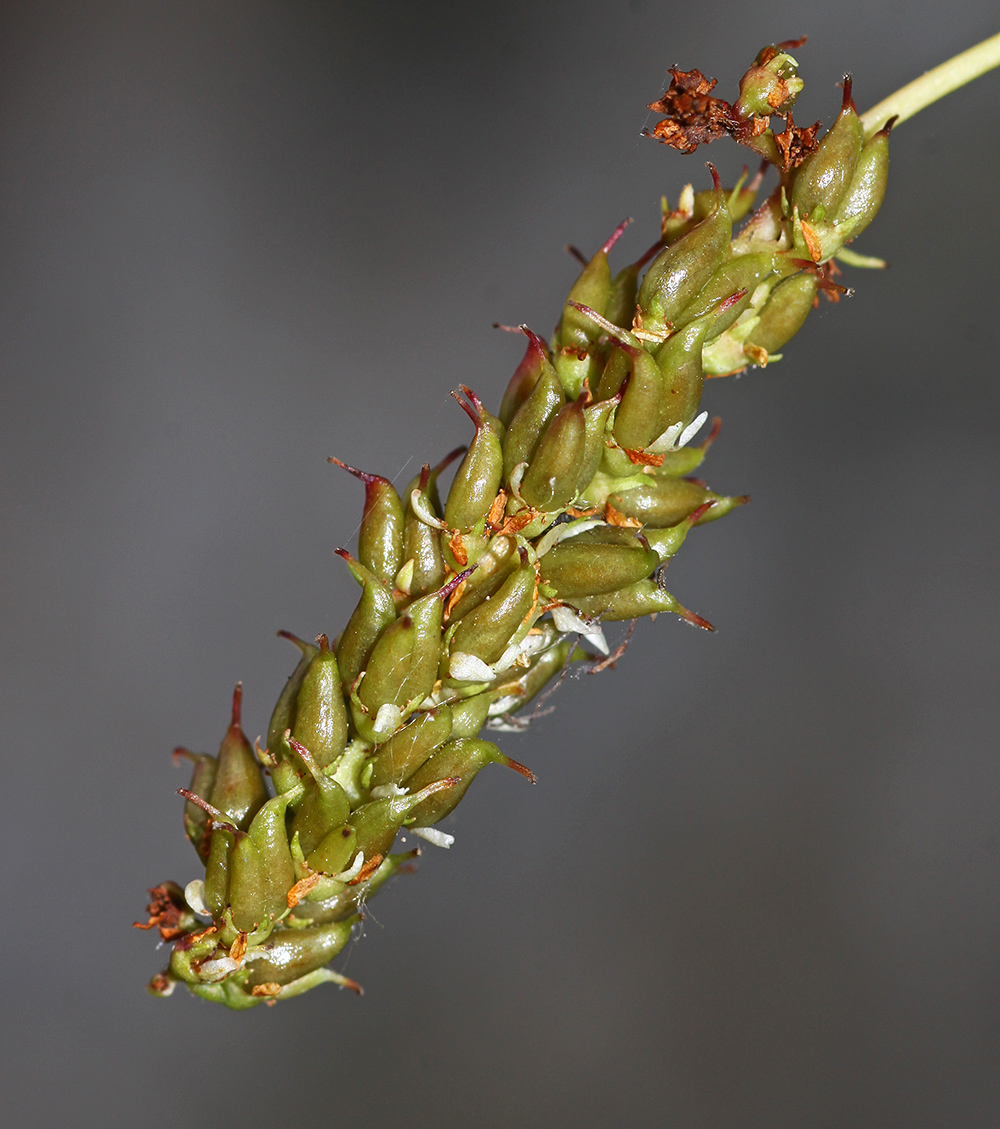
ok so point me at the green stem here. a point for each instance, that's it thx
(935, 84)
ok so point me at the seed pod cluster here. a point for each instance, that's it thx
(564, 510)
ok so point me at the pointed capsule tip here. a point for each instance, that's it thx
(323, 643)
(472, 410)
(716, 180)
(847, 106)
(576, 253)
(615, 236)
(236, 722)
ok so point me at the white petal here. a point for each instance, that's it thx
(354, 871)
(504, 705)
(566, 619)
(194, 895)
(432, 835)
(565, 529)
(387, 792)
(218, 969)
(515, 478)
(388, 719)
(692, 430)
(666, 441)
(422, 508)
(467, 668)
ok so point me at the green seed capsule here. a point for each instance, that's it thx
(679, 271)
(645, 597)
(468, 715)
(477, 479)
(421, 543)
(551, 479)
(283, 717)
(595, 419)
(531, 420)
(217, 872)
(637, 418)
(333, 853)
(320, 712)
(249, 888)
(667, 501)
(492, 569)
(592, 288)
(380, 539)
(680, 361)
(459, 760)
(294, 953)
(740, 276)
(867, 189)
(404, 662)
(323, 807)
(202, 779)
(408, 748)
(488, 629)
(823, 178)
(782, 316)
(375, 611)
(268, 835)
(599, 560)
(238, 790)
(527, 374)
(377, 822)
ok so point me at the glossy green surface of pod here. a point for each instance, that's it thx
(531, 420)
(477, 479)
(375, 610)
(295, 953)
(487, 630)
(407, 749)
(550, 481)
(823, 178)
(238, 790)
(321, 713)
(599, 560)
(380, 538)
(679, 271)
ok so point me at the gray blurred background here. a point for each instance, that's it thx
(757, 882)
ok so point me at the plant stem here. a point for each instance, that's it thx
(935, 84)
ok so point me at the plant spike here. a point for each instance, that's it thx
(566, 507)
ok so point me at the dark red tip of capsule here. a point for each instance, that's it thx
(236, 722)
(713, 434)
(791, 44)
(365, 477)
(887, 128)
(848, 103)
(323, 643)
(217, 816)
(577, 254)
(469, 409)
(444, 592)
(307, 757)
(180, 753)
(344, 555)
(509, 762)
(615, 236)
(715, 176)
(697, 620)
(699, 513)
(733, 299)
